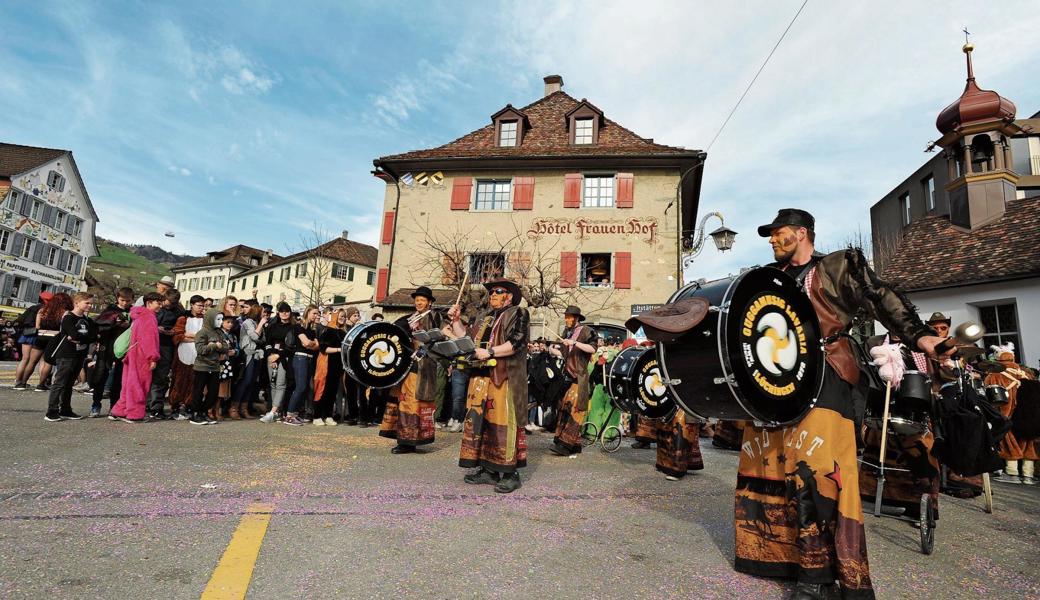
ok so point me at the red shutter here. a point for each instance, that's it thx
(523, 193)
(572, 190)
(388, 227)
(461, 189)
(622, 270)
(568, 269)
(625, 188)
(381, 284)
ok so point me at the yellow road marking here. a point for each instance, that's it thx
(230, 579)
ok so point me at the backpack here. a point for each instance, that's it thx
(122, 344)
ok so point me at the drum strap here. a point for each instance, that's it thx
(483, 329)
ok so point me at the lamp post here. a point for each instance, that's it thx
(692, 245)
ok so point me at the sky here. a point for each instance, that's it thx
(254, 122)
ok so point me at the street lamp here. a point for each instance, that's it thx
(723, 238)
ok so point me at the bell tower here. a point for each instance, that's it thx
(975, 131)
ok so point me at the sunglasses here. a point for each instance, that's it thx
(500, 291)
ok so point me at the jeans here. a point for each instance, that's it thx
(244, 390)
(459, 386)
(160, 379)
(278, 376)
(107, 369)
(64, 376)
(301, 366)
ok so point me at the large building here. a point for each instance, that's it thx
(556, 195)
(46, 224)
(960, 233)
(335, 273)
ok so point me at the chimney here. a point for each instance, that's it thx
(553, 83)
(345, 232)
(267, 256)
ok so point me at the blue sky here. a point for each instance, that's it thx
(229, 122)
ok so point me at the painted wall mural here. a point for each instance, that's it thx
(65, 200)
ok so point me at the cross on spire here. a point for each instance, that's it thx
(966, 34)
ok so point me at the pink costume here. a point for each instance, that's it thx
(137, 371)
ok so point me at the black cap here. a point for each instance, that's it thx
(789, 216)
(284, 307)
(423, 291)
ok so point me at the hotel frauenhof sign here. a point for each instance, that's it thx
(645, 228)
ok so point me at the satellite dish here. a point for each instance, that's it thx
(169, 234)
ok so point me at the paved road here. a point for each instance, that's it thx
(96, 509)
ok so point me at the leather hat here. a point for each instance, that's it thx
(574, 311)
(513, 288)
(938, 317)
(668, 322)
(423, 291)
(788, 216)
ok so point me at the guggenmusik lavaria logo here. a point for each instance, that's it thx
(381, 352)
(652, 387)
(774, 345)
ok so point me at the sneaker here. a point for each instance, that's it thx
(319, 422)
(112, 417)
(52, 416)
(197, 419)
(351, 421)
(180, 415)
(269, 417)
(43, 387)
(95, 412)
(1028, 480)
(329, 421)
(20, 387)
(456, 428)
(210, 420)
(439, 425)
(156, 416)
(129, 420)
(1005, 478)
(69, 415)
(671, 478)
(292, 420)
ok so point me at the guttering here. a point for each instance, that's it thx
(383, 168)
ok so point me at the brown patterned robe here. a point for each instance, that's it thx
(679, 446)
(408, 417)
(575, 403)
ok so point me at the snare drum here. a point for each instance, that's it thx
(757, 355)
(904, 417)
(916, 387)
(376, 354)
(636, 386)
(996, 394)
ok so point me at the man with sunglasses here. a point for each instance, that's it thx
(493, 436)
(408, 417)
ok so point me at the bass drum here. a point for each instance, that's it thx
(636, 385)
(377, 354)
(757, 355)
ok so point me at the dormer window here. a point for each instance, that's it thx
(583, 131)
(507, 133)
(510, 124)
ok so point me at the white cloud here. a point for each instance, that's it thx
(185, 172)
(212, 180)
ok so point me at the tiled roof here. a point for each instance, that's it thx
(933, 253)
(237, 255)
(15, 159)
(547, 136)
(339, 249)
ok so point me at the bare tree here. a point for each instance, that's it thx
(312, 278)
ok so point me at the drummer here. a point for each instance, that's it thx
(816, 458)
(578, 346)
(408, 416)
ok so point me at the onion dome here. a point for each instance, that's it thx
(975, 105)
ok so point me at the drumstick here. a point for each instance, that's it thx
(884, 425)
(462, 287)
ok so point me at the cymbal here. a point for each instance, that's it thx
(988, 366)
(969, 352)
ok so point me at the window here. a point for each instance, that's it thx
(256, 279)
(233, 284)
(12, 200)
(70, 262)
(371, 280)
(339, 271)
(17, 287)
(267, 299)
(37, 207)
(1001, 323)
(206, 283)
(194, 285)
(598, 192)
(301, 270)
(298, 297)
(583, 131)
(270, 278)
(485, 266)
(74, 226)
(5, 240)
(56, 181)
(350, 274)
(27, 248)
(286, 274)
(595, 270)
(218, 283)
(52, 256)
(493, 195)
(904, 206)
(928, 185)
(507, 133)
(339, 299)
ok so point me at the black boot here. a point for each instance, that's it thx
(482, 477)
(809, 591)
(508, 483)
(402, 449)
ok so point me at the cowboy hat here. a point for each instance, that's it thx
(511, 286)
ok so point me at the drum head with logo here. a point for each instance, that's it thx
(377, 354)
(770, 346)
(651, 396)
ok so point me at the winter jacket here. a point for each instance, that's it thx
(209, 343)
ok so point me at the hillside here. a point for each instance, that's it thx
(123, 265)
